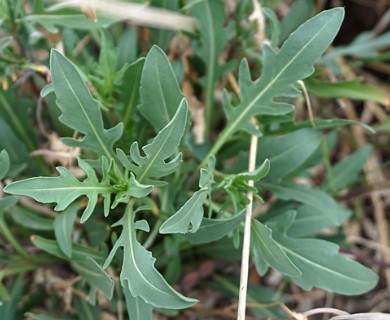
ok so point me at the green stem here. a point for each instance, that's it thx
(6, 233)
(153, 234)
(328, 165)
(222, 138)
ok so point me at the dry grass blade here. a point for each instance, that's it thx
(135, 13)
(363, 316)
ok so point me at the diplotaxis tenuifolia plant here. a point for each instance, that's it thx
(143, 198)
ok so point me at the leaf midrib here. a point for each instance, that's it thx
(232, 127)
(95, 133)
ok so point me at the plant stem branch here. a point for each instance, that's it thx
(247, 235)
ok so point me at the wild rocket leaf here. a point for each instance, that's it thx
(156, 162)
(136, 307)
(97, 278)
(63, 227)
(293, 62)
(365, 45)
(191, 213)
(138, 272)
(4, 163)
(346, 171)
(211, 16)
(317, 200)
(287, 153)
(214, 229)
(158, 78)
(320, 263)
(65, 189)
(267, 252)
(79, 110)
(130, 91)
(300, 11)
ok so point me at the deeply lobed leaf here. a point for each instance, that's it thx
(281, 70)
(79, 110)
(65, 189)
(138, 273)
(156, 161)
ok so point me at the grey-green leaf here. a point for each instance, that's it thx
(30, 220)
(95, 276)
(286, 153)
(281, 70)
(191, 213)
(78, 252)
(300, 11)
(64, 189)
(63, 228)
(318, 200)
(322, 266)
(138, 272)
(214, 229)
(130, 91)
(5, 42)
(4, 163)
(137, 308)
(160, 92)
(265, 249)
(74, 98)
(163, 146)
(346, 171)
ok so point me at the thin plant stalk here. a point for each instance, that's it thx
(247, 235)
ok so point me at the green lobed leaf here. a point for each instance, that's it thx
(134, 189)
(345, 172)
(267, 252)
(191, 213)
(214, 229)
(74, 98)
(136, 307)
(163, 146)
(321, 264)
(97, 278)
(63, 228)
(4, 163)
(160, 92)
(281, 70)
(138, 272)
(65, 189)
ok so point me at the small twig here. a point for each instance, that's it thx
(247, 234)
(308, 103)
(324, 310)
